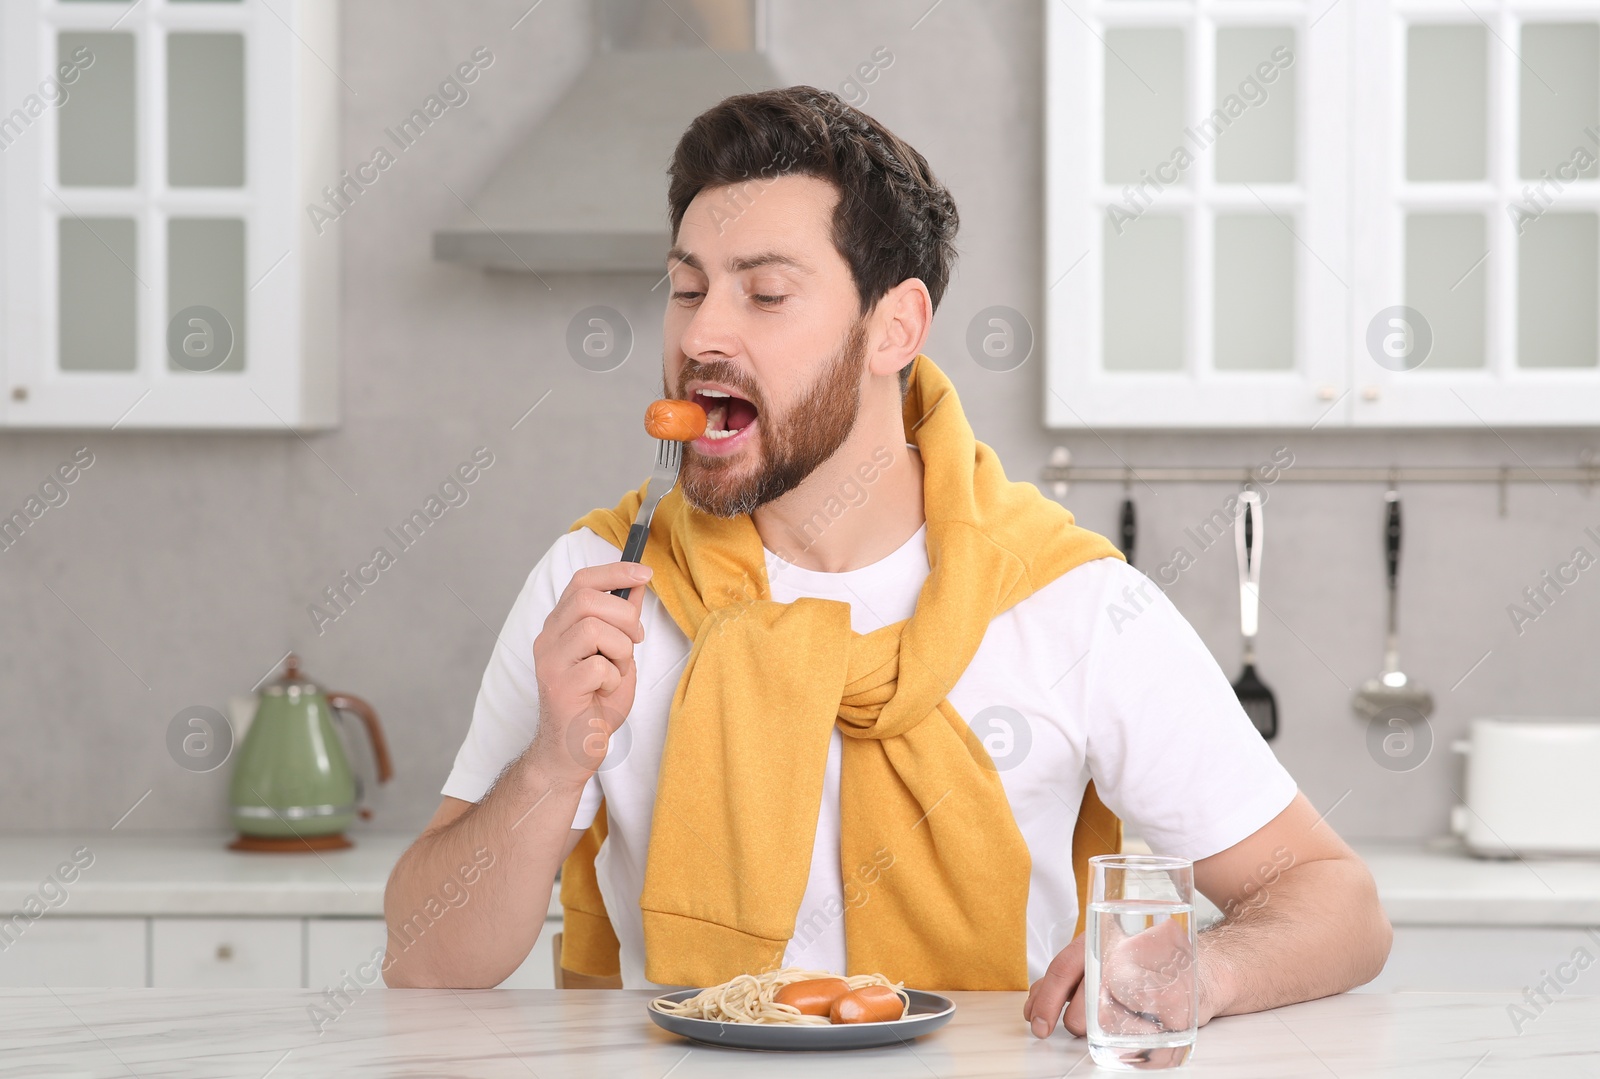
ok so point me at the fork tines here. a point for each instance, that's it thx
(668, 454)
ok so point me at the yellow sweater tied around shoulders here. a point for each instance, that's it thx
(939, 867)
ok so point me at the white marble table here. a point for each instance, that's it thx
(552, 1033)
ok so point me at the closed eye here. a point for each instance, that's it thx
(769, 299)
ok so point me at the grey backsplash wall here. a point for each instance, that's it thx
(182, 565)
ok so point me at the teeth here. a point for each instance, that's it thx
(716, 417)
(714, 422)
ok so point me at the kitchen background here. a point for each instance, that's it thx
(181, 568)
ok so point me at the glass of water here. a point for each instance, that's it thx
(1140, 978)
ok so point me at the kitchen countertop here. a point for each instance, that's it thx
(193, 874)
(553, 1033)
(1436, 883)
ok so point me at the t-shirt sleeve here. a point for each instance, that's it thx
(1170, 748)
(506, 714)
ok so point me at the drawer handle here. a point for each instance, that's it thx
(224, 952)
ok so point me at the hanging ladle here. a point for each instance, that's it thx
(1392, 694)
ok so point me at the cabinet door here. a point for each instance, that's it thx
(155, 271)
(1196, 242)
(67, 952)
(226, 953)
(1476, 297)
(337, 948)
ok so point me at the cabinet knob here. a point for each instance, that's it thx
(1369, 393)
(1325, 393)
(224, 952)
(19, 393)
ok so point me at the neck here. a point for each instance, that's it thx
(858, 506)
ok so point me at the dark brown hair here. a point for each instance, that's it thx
(893, 221)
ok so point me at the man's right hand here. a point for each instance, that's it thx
(583, 658)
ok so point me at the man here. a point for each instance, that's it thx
(847, 716)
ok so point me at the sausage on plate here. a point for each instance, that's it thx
(869, 1004)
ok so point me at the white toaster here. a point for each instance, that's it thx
(1533, 786)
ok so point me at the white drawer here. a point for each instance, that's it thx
(341, 947)
(226, 953)
(68, 952)
(337, 947)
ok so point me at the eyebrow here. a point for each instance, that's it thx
(740, 263)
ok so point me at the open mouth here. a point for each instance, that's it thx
(726, 415)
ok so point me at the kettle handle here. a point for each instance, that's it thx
(346, 702)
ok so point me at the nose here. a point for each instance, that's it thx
(710, 331)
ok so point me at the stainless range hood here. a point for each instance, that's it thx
(587, 191)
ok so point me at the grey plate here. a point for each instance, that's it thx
(928, 1012)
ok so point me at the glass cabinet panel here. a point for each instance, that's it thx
(205, 110)
(1447, 103)
(1558, 279)
(1143, 280)
(99, 294)
(1255, 294)
(98, 120)
(1144, 100)
(205, 286)
(1447, 281)
(1560, 99)
(1258, 143)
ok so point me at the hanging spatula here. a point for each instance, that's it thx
(1248, 531)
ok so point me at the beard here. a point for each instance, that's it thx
(791, 446)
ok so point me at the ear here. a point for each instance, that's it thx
(901, 321)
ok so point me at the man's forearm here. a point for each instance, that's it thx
(1320, 931)
(445, 931)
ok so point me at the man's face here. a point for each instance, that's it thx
(765, 310)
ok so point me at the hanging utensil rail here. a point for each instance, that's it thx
(1584, 474)
(1060, 472)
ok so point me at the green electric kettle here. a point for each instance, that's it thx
(293, 788)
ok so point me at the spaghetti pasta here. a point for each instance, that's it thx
(748, 998)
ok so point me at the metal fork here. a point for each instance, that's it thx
(669, 455)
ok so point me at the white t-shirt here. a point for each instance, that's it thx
(1096, 675)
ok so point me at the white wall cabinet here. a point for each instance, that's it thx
(1183, 287)
(1474, 204)
(160, 265)
(1269, 214)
